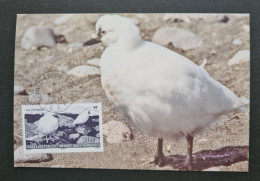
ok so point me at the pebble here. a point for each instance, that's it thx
(176, 18)
(95, 61)
(240, 57)
(38, 36)
(47, 58)
(179, 38)
(35, 99)
(63, 68)
(84, 70)
(187, 18)
(202, 140)
(212, 169)
(62, 19)
(116, 132)
(237, 42)
(20, 157)
(19, 90)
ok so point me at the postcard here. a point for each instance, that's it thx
(132, 91)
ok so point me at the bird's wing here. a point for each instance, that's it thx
(83, 117)
(172, 81)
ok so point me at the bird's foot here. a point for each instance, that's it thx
(160, 160)
(52, 139)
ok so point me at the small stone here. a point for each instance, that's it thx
(19, 90)
(179, 38)
(21, 157)
(213, 52)
(40, 98)
(237, 42)
(63, 68)
(116, 132)
(95, 61)
(58, 166)
(39, 36)
(240, 57)
(202, 140)
(225, 19)
(84, 70)
(246, 28)
(215, 169)
(62, 19)
(168, 148)
(47, 58)
(176, 18)
(73, 136)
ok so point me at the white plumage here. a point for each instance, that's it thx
(162, 93)
(82, 118)
(48, 124)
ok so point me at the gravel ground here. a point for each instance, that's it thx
(217, 49)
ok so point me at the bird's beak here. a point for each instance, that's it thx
(94, 40)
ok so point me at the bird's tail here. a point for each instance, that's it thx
(244, 101)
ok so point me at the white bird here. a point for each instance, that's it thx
(82, 118)
(161, 93)
(48, 124)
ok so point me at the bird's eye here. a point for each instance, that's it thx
(103, 32)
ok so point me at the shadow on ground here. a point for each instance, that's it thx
(210, 158)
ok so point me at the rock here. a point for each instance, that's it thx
(225, 19)
(95, 61)
(179, 38)
(73, 136)
(58, 166)
(246, 28)
(62, 19)
(240, 57)
(202, 140)
(237, 42)
(212, 169)
(176, 17)
(19, 90)
(39, 36)
(187, 18)
(65, 121)
(47, 58)
(84, 70)
(88, 139)
(20, 157)
(42, 98)
(82, 129)
(63, 68)
(116, 132)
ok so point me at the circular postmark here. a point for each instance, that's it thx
(54, 91)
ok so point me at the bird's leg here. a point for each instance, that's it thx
(51, 139)
(46, 139)
(159, 158)
(189, 151)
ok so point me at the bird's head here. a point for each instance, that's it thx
(111, 29)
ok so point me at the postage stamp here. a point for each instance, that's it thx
(76, 129)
